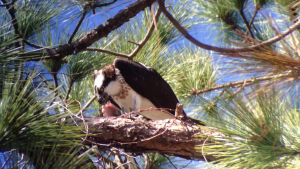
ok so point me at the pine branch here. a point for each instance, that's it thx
(4, 5)
(78, 25)
(106, 51)
(257, 8)
(237, 84)
(94, 5)
(14, 22)
(139, 45)
(148, 35)
(224, 50)
(246, 22)
(170, 137)
(69, 89)
(31, 44)
(101, 31)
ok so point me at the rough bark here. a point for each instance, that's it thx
(170, 137)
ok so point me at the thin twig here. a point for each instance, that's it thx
(7, 160)
(246, 22)
(78, 25)
(149, 109)
(224, 50)
(31, 44)
(69, 89)
(133, 42)
(139, 45)
(202, 149)
(87, 104)
(257, 8)
(106, 51)
(233, 85)
(54, 75)
(240, 89)
(12, 2)
(127, 164)
(14, 22)
(148, 35)
(170, 161)
(94, 5)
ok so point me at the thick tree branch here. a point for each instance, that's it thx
(170, 137)
(224, 50)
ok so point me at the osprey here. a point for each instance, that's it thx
(131, 86)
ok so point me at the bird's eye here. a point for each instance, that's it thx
(101, 89)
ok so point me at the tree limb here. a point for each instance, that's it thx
(170, 137)
(224, 50)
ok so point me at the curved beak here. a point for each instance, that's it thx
(102, 97)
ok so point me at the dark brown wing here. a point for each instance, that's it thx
(148, 83)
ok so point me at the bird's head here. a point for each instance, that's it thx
(104, 83)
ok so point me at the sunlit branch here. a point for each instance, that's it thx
(169, 137)
(224, 50)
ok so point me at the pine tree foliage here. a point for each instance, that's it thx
(249, 96)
